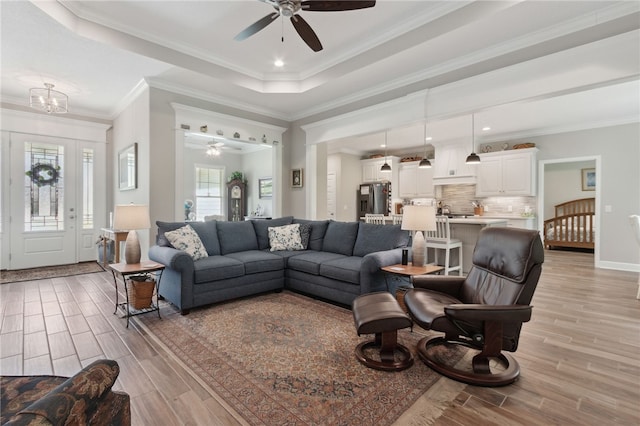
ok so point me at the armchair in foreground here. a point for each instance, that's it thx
(483, 311)
(84, 399)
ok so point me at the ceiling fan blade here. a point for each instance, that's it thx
(256, 26)
(306, 33)
(335, 6)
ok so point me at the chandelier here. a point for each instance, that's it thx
(213, 151)
(48, 100)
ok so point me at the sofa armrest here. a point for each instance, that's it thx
(450, 285)
(371, 277)
(85, 398)
(171, 258)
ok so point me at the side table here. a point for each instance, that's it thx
(126, 270)
(117, 236)
(406, 272)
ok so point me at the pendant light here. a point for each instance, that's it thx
(425, 163)
(386, 168)
(473, 157)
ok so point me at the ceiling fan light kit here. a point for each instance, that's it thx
(290, 8)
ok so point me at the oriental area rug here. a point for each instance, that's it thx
(50, 272)
(283, 358)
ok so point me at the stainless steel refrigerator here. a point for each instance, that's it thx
(374, 198)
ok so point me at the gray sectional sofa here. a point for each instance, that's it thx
(341, 261)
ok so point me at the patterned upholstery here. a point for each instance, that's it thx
(83, 399)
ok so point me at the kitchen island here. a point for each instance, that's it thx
(467, 230)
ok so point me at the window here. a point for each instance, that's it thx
(87, 188)
(209, 191)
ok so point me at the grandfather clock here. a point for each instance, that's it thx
(237, 195)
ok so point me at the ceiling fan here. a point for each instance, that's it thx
(290, 8)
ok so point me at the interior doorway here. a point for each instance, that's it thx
(549, 189)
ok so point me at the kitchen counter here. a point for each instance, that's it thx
(478, 220)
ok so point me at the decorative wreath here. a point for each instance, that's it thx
(44, 174)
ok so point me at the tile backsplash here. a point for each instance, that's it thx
(459, 198)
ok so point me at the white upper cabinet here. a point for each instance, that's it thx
(507, 173)
(450, 166)
(371, 169)
(414, 181)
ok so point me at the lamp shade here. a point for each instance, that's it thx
(419, 218)
(131, 216)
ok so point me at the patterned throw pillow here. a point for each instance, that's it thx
(285, 237)
(187, 240)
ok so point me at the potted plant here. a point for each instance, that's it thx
(237, 176)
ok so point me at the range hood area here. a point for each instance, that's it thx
(449, 165)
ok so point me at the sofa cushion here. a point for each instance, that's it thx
(186, 239)
(256, 261)
(372, 238)
(340, 237)
(215, 268)
(310, 261)
(236, 236)
(163, 227)
(285, 237)
(208, 233)
(343, 269)
(261, 227)
(318, 229)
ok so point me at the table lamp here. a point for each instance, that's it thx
(419, 219)
(131, 217)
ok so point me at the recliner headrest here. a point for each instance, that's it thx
(508, 252)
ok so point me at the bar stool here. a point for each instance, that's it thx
(440, 239)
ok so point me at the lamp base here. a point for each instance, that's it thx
(132, 248)
(419, 250)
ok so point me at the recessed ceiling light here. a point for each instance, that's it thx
(278, 63)
(486, 128)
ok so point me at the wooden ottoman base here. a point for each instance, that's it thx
(380, 314)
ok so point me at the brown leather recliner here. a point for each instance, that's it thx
(484, 310)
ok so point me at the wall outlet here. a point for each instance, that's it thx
(486, 208)
(510, 209)
(608, 209)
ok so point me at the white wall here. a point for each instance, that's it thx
(619, 150)
(132, 125)
(348, 171)
(257, 165)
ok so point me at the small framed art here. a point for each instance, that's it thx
(296, 178)
(265, 188)
(588, 179)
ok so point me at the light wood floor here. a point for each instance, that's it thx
(579, 356)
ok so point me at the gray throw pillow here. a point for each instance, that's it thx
(163, 227)
(261, 227)
(305, 234)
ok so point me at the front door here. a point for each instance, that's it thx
(52, 204)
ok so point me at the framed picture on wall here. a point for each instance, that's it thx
(296, 178)
(265, 188)
(588, 179)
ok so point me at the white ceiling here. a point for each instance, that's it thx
(99, 51)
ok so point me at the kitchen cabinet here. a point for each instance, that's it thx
(371, 169)
(507, 173)
(414, 181)
(450, 165)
